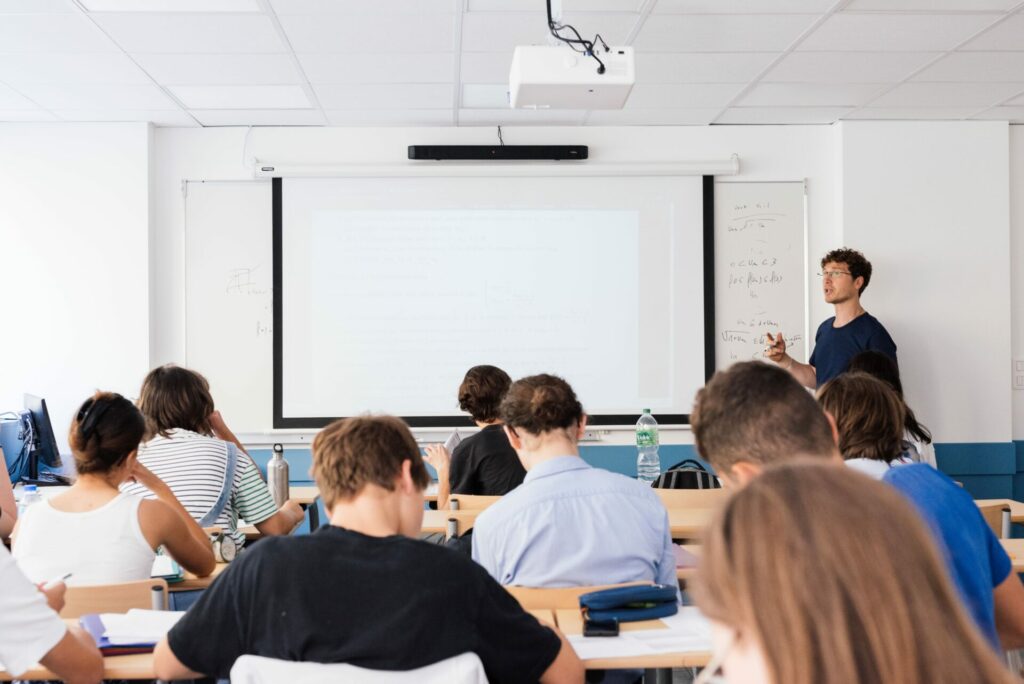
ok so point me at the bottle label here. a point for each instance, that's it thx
(647, 438)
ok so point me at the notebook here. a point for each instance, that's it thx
(136, 631)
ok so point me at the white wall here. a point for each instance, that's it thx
(928, 203)
(74, 206)
(1017, 267)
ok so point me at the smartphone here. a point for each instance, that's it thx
(600, 628)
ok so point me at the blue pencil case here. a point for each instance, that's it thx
(631, 604)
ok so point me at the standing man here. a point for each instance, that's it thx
(845, 274)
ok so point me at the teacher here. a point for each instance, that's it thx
(845, 274)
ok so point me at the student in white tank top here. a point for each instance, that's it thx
(95, 532)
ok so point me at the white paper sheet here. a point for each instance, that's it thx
(139, 626)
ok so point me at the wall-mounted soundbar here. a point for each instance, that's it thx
(501, 152)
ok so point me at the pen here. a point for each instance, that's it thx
(52, 583)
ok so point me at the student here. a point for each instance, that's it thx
(31, 632)
(362, 590)
(796, 598)
(484, 463)
(191, 452)
(917, 439)
(869, 420)
(845, 275)
(568, 524)
(94, 531)
(754, 415)
(8, 508)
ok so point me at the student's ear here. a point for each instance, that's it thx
(513, 437)
(742, 472)
(405, 481)
(835, 427)
(581, 429)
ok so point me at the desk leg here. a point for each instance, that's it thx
(1007, 525)
(662, 675)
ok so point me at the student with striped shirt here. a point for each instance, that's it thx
(192, 452)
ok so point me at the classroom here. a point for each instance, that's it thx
(318, 207)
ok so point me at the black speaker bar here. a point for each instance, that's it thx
(502, 152)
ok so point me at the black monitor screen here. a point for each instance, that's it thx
(43, 444)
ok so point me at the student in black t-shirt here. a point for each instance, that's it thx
(361, 590)
(484, 463)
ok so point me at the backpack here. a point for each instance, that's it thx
(688, 474)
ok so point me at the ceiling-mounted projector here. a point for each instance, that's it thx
(558, 77)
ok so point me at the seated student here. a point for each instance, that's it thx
(754, 415)
(484, 463)
(31, 632)
(869, 421)
(191, 452)
(96, 532)
(8, 508)
(917, 439)
(362, 590)
(568, 524)
(795, 598)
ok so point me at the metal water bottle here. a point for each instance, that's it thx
(277, 476)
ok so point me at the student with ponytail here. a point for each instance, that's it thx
(94, 531)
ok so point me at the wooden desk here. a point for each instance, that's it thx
(191, 582)
(571, 622)
(436, 522)
(684, 523)
(1014, 515)
(304, 496)
(138, 666)
(1015, 549)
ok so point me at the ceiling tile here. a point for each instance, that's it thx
(810, 94)
(430, 67)
(521, 117)
(965, 67)
(204, 69)
(241, 96)
(782, 115)
(371, 34)
(743, 6)
(191, 33)
(701, 67)
(364, 7)
(1011, 114)
(12, 99)
(567, 5)
(475, 96)
(171, 5)
(23, 115)
(1007, 35)
(948, 94)
(112, 68)
(1019, 100)
(652, 117)
(932, 5)
(485, 67)
(847, 67)
(721, 33)
(502, 32)
(682, 95)
(260, 117)
(98, 97)
(167, 117)
(391, 117)
(37, 7)
(913, 113)
(52, 33)
(894, 32)
(386, 96)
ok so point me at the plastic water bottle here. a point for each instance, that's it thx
(29, 496)
(648, 466)
(277, 476)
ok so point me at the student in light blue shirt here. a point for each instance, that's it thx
(568, 524)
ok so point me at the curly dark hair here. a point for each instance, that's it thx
(541, 403)
(859, 266)
(481, 392)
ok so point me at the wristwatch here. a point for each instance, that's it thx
(224, 547)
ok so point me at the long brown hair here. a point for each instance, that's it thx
(869, 416)
(175, 397)
(835, 577)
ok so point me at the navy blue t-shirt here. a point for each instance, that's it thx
(976, 560)
(834, 347)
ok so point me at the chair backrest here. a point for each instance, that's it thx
(464, 521)
(473, 502)
(994, 516)
(534, 598)
(692, 498)
(112, 598)
(461, 669)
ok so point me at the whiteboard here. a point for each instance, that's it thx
(760, 269)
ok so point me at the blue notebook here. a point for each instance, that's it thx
(93, 624)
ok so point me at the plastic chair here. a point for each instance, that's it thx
(461, 669)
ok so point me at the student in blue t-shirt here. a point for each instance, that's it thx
(845, 275)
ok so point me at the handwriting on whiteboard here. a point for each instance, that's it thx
(245, 282)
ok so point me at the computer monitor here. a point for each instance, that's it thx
(39, 439)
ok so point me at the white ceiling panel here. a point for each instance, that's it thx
(1007, 35)
(721, 33)
(701, 67)
(782, 115)
(502, 32)
(652, 117)
(221, 69)
(171, 5)
(485, 67)
(430, 67)
(895, 32)
(98, 97)
(112, 68)
(37, 7)
(1011, 114)
(389, 96)
(13, 100)
(915, 113)
(191, 33)
(163, 117)
(477, 96)
(682, 95)
(743, 6)
(848, 67)
(1018, 100)
(948, 94)
(391, 117)
(241, 96)
(261, 117)
(521, 117)
(964, 67)
(360, 8)
(932, 5)
(371, 34)
(810, 94)
(567, 5)
(25, 115)
(52, 33)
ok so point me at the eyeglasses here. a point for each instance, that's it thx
(832, 275)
